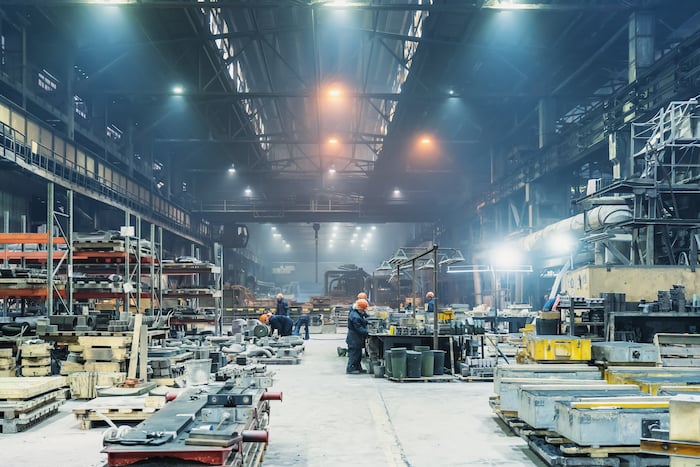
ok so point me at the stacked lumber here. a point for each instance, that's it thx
(36, 359)
(8, 363)
(105, 354)
(24, 402)
(84, 384)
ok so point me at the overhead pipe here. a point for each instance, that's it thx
(598, 218)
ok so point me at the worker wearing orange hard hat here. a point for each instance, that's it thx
(360, 296)
(357, 333)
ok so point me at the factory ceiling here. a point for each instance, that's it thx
(303, 110)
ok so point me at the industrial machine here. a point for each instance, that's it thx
(221, 424)
(345, 282)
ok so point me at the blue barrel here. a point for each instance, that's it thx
(387, 362)
(413, 364)
(439, 362)
(398, 362)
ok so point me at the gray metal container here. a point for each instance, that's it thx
(624, 352)
(548, 370)
(609, 426)
(536, 407)
(508, 397)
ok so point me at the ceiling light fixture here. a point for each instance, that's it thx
(232, 169)
(333, 140)
(332, 170)
(178, 89)
(248, 191)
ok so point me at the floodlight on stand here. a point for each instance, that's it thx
(385, 266)
(399, 257)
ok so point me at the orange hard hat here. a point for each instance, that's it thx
(362, 295)
(265, 317)
(430, 295)
(362, 303)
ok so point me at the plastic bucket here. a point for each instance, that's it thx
(197, 371)
(439, 362)
(420, 348)
(398, 362)
(387, 362)
(413, 364)
(379, 371)
(427, 363)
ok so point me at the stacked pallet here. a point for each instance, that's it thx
(119, 409)
(105, 354)
(24, 402)
(36, 359)
(8, 363)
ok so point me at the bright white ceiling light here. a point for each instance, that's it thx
(232, 169)
(248, 191)
(178, 89)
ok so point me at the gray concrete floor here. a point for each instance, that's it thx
(328, 418)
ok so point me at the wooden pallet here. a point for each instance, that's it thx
(424, 379)
(552, 456)
(602, 451)
(117, 409)
(33, 371)
(472, 379)
(20, 408)
(30, 419)
(35, 350)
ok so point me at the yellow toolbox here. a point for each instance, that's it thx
(558, 348)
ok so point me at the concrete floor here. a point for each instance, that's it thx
(328, 418)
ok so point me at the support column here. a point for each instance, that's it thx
(69, 79)
(546, 112)
(642, 28)
(49, 249)
(25, 68)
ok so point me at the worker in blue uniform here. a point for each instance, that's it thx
(304, 320)
(282, 308)
(357, 333)
(283, 324)
(430, 305)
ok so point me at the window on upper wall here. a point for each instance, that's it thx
(114, 133)
(80, 107)
(47, 81)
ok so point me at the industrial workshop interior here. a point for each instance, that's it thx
(329, 233)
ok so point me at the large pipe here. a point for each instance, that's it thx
(271, 396)
(597, 218)
(256, 436)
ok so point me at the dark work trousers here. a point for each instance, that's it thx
(354, 357)
(303, 320)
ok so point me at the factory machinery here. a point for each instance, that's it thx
(223, 423)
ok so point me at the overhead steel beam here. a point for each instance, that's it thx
(357, 5)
